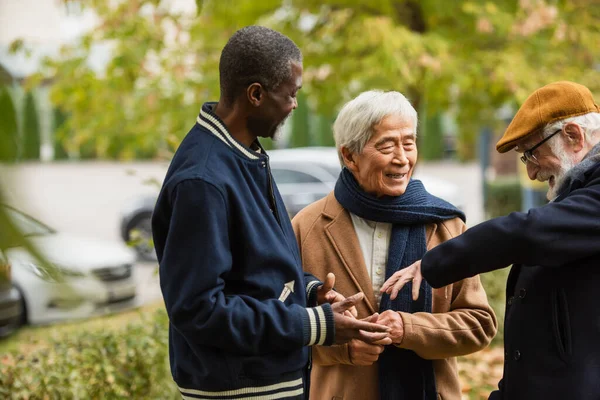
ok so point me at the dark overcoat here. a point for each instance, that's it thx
(552, 322)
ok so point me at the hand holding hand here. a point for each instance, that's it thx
(393, 320)
(364, 354)
(347, 328)
(397, 281)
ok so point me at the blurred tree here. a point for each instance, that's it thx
(301, 131)
(31, 130)
(475, 55)
(59, 118)
(10, 235)
(8, 127)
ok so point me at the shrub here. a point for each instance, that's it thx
(495, 286)
(130, 363)
(503, 196)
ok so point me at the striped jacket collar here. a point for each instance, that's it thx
(210, 121)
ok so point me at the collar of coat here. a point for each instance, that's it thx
(578, 172)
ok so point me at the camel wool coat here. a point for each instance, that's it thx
(461, 321)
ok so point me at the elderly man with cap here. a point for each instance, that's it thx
(552, 323)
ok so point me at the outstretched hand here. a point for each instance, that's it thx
(397, 281)
(348, 328)
(326, 294)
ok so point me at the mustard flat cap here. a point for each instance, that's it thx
(553, 102)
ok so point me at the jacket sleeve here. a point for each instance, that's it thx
(312, 285)
(193, 271)
(469, 325)
(553, 235)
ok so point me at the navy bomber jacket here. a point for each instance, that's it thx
(231, 274)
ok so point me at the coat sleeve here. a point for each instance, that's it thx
(195, 262)
(553, 235)
(467, 327)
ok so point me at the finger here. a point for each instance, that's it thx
(371, 318)
(349, 314)
(371, 337)
(416, 286)
(398, 286)
(352, 300)
(354, 312)
(390, 282)
(329, 282)
(331, 296)
(384, 342)
(369, 327)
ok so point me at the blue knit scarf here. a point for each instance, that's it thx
(403, 375)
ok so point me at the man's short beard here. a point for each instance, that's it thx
(279, 129)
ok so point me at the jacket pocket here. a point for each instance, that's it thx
(561, 324)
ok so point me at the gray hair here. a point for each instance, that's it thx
(590, 123)
(256, 54)
(355, 122)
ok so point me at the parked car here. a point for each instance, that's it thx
(303, 175)
(95, 275)
(10, 301)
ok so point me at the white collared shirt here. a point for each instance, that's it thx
(374, 240)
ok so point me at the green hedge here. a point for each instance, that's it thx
(130, 363)
(503, 196)
(495, 288)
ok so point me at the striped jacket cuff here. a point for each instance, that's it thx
(311, 292)
(319, 328)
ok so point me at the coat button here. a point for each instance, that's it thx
(522, 293)
(517, 355)
(510, 300)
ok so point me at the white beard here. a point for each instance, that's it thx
(566, 164)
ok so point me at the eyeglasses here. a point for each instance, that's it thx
(528, 155)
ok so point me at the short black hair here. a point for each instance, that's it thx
(255, 54)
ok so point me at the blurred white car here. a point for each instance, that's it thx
(303, 175)
(97, 276)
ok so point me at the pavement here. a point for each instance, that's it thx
(87, 198)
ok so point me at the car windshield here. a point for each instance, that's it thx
(27, 225)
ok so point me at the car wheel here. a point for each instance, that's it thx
(139, 235)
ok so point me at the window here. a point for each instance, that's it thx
(286, 176)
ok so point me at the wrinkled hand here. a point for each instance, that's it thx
(393, 320)
(362, 353)
(365, 354)
(326, 294)
(397, 281)
(347, 328)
